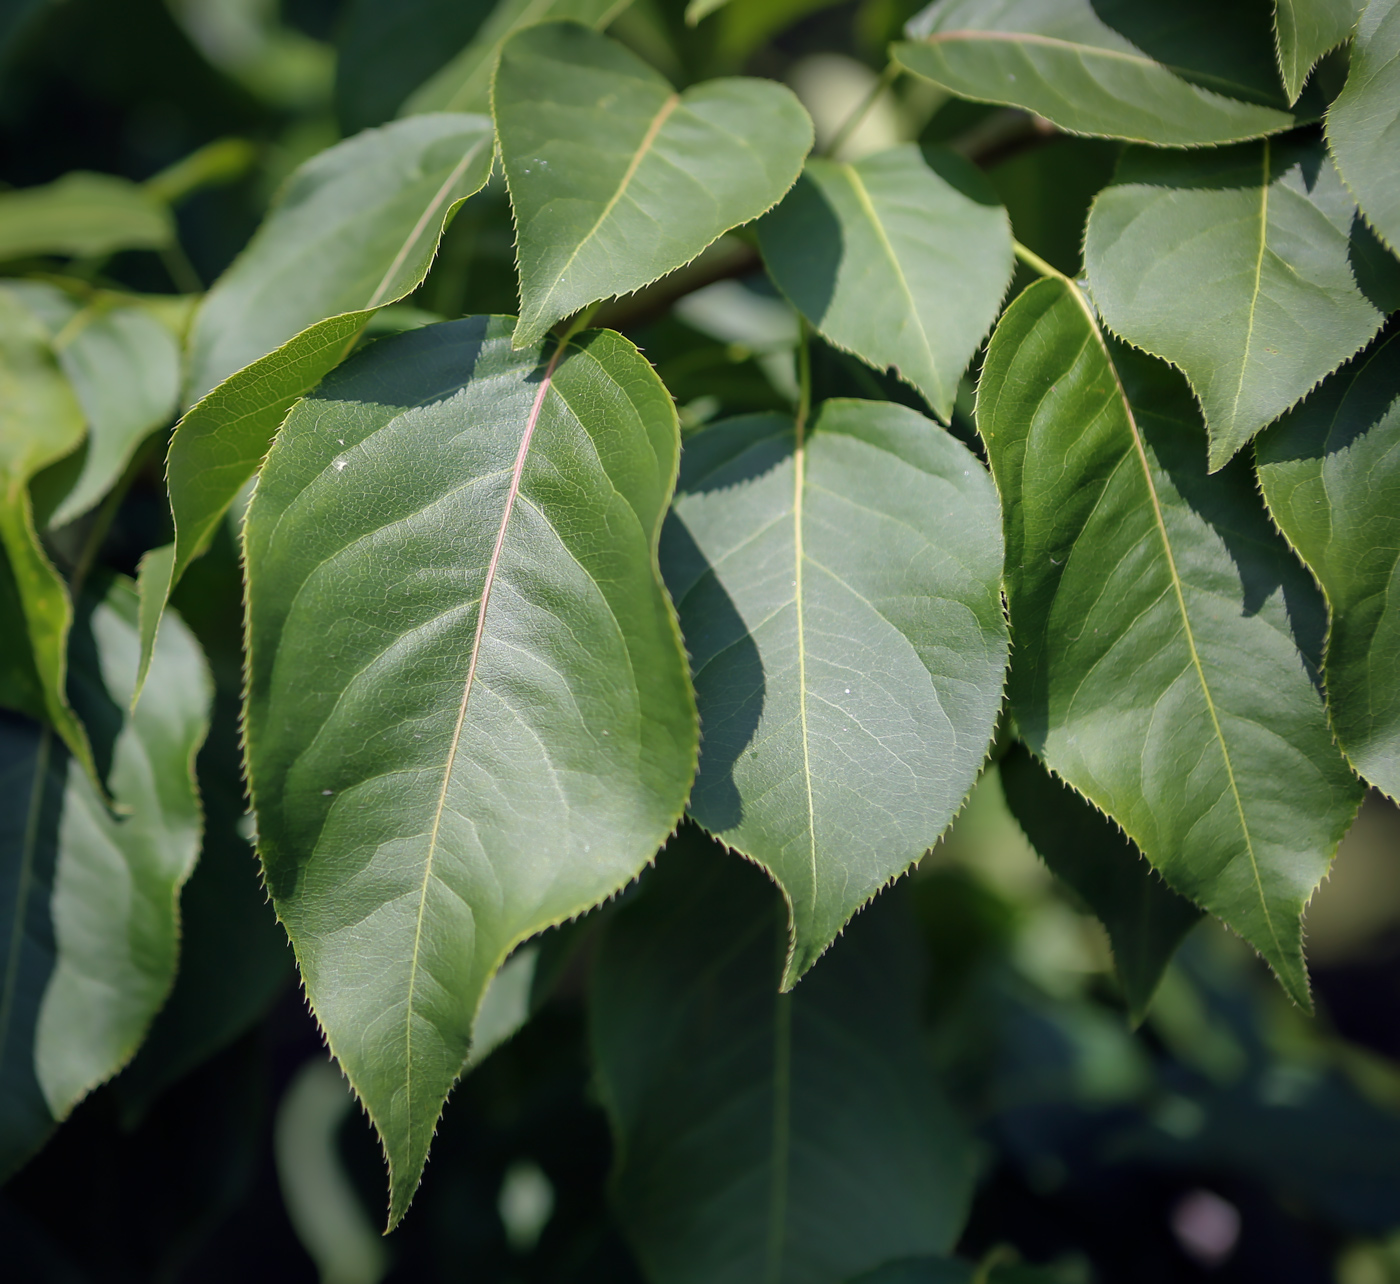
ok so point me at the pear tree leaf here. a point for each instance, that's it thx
(615, 178)
(1164, 634)
(798, 1137)
(1307, 29)
(468, 714)
(1330, 471)
(1246, 267)
(89, 922)
(922, 232)
(83, 215)
(839, 590)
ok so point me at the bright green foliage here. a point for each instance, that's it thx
(839, 592)
(1162, 630)
(1307, 29)
(89, 928)
(1113, 69)
(922, 233)
(1364, 123)
(615, 179)
(1144, 918)
(82, 215)
(507, 743)
(764, 1137)
(1246, 267)
(1331, 477)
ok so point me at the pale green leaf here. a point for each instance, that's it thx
(1307, 29)
(1111, 68)
(698, 9)
(839, 592)
(84, 216)
(922, 232)
(1363, 126)
(762, 1137)
(616, 179)
(1164, 634)
(1247, 267)
(89, 927)
(468, 714)
(1331, 477)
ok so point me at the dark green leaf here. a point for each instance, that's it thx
(82, 215)
(922, 1270)
(1307, 29)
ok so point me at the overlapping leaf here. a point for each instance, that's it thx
(1331, 477)
(468, 714)
(82, 215)
(901, 258)
(839, 592)
(615, 178)
(1307, 29)
(1164, 634)
(762, 1137)
(1246, 267)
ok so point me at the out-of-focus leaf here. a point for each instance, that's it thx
(919, 231)
(82, 215)
(1246, 267)
(798, 1137)
(507, 744)
(1307, 29)
(615, 178)
(1363, 123)
(1164, 634)
(1145, 919)
(1330, 472)
(1112, 68)
(839, 592)
(745, 26)
(89, 925)
(922, 1270)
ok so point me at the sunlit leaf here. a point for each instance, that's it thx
(84, 216)
(1307, 29)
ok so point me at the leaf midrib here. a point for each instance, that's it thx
(1254, 295)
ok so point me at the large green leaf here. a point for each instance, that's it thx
(464, 84)
(468, 714)
(1363, 125)
(922, 232)
(89, 925)
(1331, 477)
(1164, 634)
(82, 215)
(839, 592)
(615, 178)
(761, 1137)
(1247, 267)
(1112, 68)
(1307, 29)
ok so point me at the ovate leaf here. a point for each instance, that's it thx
(615, 178)
(84, 216)
(1364, 123)
(1116, 68)
(1331, 477)
(922, 232)
(1164, 633)
(798, 1137)
(1307, 29)
(468, 714)
(1144, 918)
(839, 592)
(89, 925)
(1247, 267)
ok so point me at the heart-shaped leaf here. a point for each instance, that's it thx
(1307, 29)
(615, 178)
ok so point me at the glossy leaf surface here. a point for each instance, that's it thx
(1330, 472)
(921, 232)
(84, 216)
(1164, 634)
(468, 715)
(1307, 29)
(839, 593)
(1246, 267)
(761, 1137)
(615, 178)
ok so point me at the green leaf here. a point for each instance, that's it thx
(798, 1137)
(615, 179)
(1163, 632)
(1246, 267)
(465, 83)
(1144, 918)
(1111, 68)
(82, 215)
(1362, 124)
(89, 927)
(1330, 471)
(839, 593)
(1307, 29)
(435, 779)
(698, 9)
(922, 232)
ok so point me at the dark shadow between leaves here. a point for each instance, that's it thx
(804, 246)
